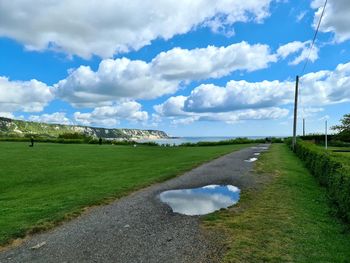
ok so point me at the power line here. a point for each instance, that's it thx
(298, 90)
(314, 39)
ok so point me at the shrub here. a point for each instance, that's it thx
(331, 170)
(224, 142)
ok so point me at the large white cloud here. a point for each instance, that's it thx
(27, 96)
(232, 116)
(336, 18)
(56, 117)
(242, 99)
(136, 79)
(212, 62)
(108, 27)
(239, 95)
(114, 79)
(111, 115)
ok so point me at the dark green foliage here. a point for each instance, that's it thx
(317, 138)
(337, 143)
(74, 135)
(43, 139)
(225, 142)
(332, 171)
(343, 129)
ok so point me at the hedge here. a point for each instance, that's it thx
(239, 140)
(331, 170)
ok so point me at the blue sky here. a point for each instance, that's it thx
(190, 69)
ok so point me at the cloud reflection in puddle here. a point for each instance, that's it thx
(201, 201)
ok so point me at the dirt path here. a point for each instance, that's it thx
(139, 228)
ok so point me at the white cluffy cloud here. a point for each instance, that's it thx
(232, 116)
(336, 18)
(245, 100)
(57, 117)
(7, 115)
(106, 28)
(136, 79)
(302, 48)
(114, 79)
(27, 96)
(211, 62)
(111, 115)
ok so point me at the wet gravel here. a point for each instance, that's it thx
(139, 228)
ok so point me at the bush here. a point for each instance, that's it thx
(317, 138)
(337, 143)
(331, 170)
(224, 142)
(73, 136)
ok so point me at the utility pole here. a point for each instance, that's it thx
(303, 127)
(326, 139)
(295, 112)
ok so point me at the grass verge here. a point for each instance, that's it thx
(288, 220)
(43, 185)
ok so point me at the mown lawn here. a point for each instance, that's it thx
(289, 220)
(43, 185)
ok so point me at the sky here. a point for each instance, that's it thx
(189, 68)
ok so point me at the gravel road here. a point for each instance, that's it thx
(139, 228)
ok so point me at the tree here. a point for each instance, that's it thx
(344, 128)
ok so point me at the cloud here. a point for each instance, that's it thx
(301, 16)
(136, 79)
(307, 112)
(212, 62)
(327, 87)
(86, 28)
(336, 18)
(114, 79)
(7, 115)
(172, 106)
(27, 96)
(242, 100)
(302, 48)
(249, 114)
(234, 116)
(239, 95)
(111, 115)
(57, 117)
(175, 109)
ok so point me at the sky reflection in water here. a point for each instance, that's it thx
(201, 201)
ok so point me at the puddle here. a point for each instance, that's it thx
(256, 154)
(260, 148)
(250, 160)
(264, 148)
(201, 201)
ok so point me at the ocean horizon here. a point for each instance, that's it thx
(195, 139)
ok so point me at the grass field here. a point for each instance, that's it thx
(289, 220)
(43, 185)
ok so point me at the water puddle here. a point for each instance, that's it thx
(260, 148)
(201, 201)
(250, 160)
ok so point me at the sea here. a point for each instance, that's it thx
(180, 140)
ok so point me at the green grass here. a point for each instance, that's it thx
(43, 185)
(288, 220)
(343, 156)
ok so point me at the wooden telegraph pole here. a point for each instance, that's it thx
(326, 139)
(295, 112)
(303, 127)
